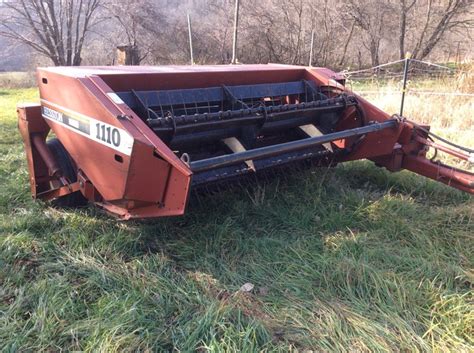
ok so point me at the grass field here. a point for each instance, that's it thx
(348, 259)
(17, 79)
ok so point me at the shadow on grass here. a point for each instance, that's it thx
(306, 205)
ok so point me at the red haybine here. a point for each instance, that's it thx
(136, 140)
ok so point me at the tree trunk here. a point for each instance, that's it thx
(374, 52)
(403, 28)
(346, 45)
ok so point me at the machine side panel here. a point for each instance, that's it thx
(73, 113)
(165, 176)
(147, 176)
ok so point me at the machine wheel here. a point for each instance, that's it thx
(75, 199)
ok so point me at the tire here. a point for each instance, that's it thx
(75, 199)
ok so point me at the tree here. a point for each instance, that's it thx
(405, 8)
(56, 29)
(372, 17)
(346, 32)
(130, 20)
(447, 16)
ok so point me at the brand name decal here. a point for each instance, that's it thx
(103, 133)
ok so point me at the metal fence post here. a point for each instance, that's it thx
(234, 41)
(190, 40)
(311, 49)
(405, 78)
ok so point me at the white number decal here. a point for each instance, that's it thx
(108, 134)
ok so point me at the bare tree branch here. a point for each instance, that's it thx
(47, 26)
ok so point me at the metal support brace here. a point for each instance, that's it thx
(236, 146)
(268, 151)
(312, 131)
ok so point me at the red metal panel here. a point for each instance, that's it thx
(157, 81)
(97, 161)
(147, 176)
(160, 177)
(30, 122)
(135, 125)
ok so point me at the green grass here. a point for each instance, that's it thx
(347, 259)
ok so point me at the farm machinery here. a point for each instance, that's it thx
(136, 140)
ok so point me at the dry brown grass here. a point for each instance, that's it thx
(17, 79)
(450, 116)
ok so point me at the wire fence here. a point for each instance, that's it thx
(419, 92)
(395, 69)
(419, 79)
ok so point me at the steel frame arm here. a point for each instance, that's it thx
(410, 154)
(456, 178)
(264, 152)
